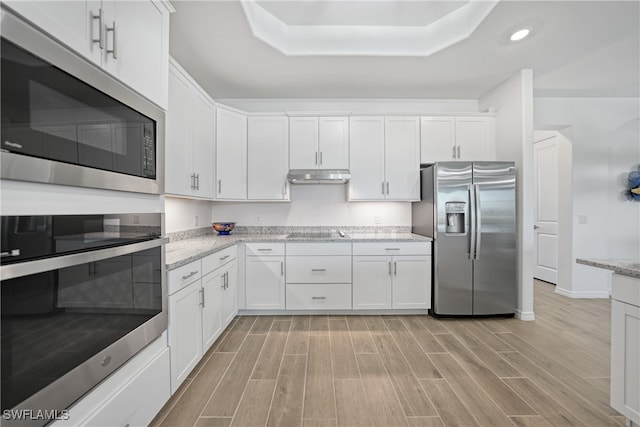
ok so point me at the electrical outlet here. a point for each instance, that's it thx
(257, 220)
(583, 219)
(376, 219)
(136, 219)
(195, 220)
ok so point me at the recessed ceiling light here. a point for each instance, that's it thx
(520, 34)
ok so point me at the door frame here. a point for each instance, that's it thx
(566, 259)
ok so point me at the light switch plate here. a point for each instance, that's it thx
(583, 219)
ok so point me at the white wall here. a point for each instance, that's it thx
(180, 214)
(605, 145)
(315, 205)
(513, 103)
(356, 106)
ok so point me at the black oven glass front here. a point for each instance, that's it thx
(48, 113)
(55, 320)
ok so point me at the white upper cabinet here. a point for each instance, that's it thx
(189, 138)
(129, 39)
(231, 155)
(366, 147)
(402, 158)
(267, 158)
(464, 138)
(319, 143)
(385, 158)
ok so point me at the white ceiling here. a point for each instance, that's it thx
(577, 48)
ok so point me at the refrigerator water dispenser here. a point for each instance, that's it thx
(455, 212)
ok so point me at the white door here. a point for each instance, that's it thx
(267, 158)
(210, 301)
(545, 190)
(371, 282)
(265, 283)
(333, 143)
(437, 139)
(185, 332)
(411, 281)
(203, 135)
(231, 146)
(402, 158)
(366, 148)
(303, 143)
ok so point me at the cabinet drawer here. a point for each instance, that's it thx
(216, 259)
(321, 296)
(182, 276)
(626, 289)
(319, 248)
(265, 249)
(318, 269)
(392, 248)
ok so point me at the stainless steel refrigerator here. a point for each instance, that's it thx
(469, 209)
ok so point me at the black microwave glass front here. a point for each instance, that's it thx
(78, 308)
(66, 121)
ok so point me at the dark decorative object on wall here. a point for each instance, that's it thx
(634, 185)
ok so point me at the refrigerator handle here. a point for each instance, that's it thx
(478, 215)
(472, 222)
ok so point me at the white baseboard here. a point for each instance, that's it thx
(525, 315)
(582, 294)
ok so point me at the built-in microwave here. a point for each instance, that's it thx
(65, 121)
(81, 295)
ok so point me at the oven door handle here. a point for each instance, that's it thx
(27, 268)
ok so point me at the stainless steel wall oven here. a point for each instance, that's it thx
(81, 294)
(65, 121)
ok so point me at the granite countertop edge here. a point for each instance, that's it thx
(619, 266)
(182, 252)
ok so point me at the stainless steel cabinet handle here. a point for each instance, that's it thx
(193, 273)
(391, 249)
(319, 269)
(197, 181)
(387, 188)
(458, 152)
(389, 268)
(219, 186)
(193, 181)
(281, 268)
(321, 158)
(318, 297)
(454, 152)
(382, 187)
(265, 249)
(201, 297)
(224, 257)
(224, 282)
(535, 227)
(114, 50)
(100, 39)
(12, 252)
(316, 158)
(395, 268)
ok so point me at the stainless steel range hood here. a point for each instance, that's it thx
(318, 176)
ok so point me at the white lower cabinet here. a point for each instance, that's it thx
(202, 302)
(625, 346)
(319, 296)
(264, 278)
(399, 281)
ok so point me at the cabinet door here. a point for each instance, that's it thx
(437, 139)
(68, 21)
(625, 353)
(371, 282)
(185, 332)
(303, 143)
(333, 143)
(212, 288)
(203, 135)
(475, 136)
(178, 142)
(265, 283)
(140, 42)
(267, 158)
(231, 148)
(366, 148)
(411, 281)
(230, 293)
(402, 158)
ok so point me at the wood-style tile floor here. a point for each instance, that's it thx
(406, 371)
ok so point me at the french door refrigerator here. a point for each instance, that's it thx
(469, 209)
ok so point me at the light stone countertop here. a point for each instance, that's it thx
(181, 252)
(626, 267)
